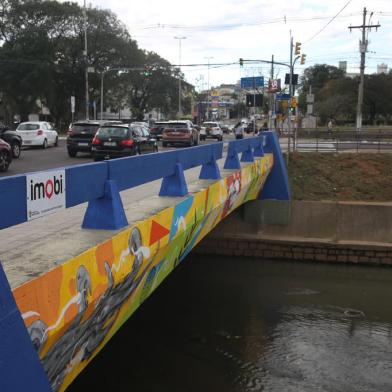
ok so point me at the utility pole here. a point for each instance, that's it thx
(208, 87)
(271, 98)
(362, 49)
(86, 59)
(179, 75)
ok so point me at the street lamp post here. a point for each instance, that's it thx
(208, 86)
(85, 58)
(180, 38)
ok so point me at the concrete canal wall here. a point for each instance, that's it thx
(315, 231)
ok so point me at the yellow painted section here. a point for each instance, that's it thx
(73, 310)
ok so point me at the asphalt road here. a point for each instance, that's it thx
(36, 159)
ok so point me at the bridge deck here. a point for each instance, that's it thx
(56, 238)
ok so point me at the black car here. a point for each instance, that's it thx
(80, 136)
(157, 129)
(13, 139)
(116, 140)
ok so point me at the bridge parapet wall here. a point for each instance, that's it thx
(72, 310)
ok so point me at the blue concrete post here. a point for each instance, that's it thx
(210, 170)
(277, 184)
(20, 366)
(174, 185)
(258, 151)
(107, 212)
(247, 155)
(232, 161)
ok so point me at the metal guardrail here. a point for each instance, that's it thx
(344, 140)
(99, 183)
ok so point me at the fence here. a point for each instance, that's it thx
(99, 183)
(344, 140)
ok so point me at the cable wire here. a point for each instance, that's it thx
(333, 18)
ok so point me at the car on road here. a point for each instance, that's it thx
(180, 132)
(121, 140)
(13, 139)
(80, 136)
(250, 127)
(37, 133)
(212, 130)
(225, 128)
(157, 129)
(5, 155)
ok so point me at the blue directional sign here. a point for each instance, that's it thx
(252, 82)
(282, 97)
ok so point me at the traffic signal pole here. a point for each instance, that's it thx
(289, 106)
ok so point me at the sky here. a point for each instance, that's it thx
(222, 31)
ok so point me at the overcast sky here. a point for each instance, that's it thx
(254, 29)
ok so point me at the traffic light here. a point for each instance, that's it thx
(303, 59)
(147, 71)
(297, 48)
(241, 62)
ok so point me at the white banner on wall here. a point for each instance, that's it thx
(45, 193)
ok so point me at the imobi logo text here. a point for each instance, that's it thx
(46, 189)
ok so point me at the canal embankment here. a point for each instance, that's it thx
(325, 231)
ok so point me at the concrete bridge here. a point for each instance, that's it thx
(70, 279)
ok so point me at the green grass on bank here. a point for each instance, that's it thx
(341, 177)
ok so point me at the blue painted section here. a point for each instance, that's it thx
(258, 150)
(175, 184)
(20, 366)
(107, 212)
(210, 170)
(13, 201)
(247, 155)
(180, 211)
(134, 171)
(232, 161)
(277, 184)
(85, 182)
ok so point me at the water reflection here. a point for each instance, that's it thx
(229, 324)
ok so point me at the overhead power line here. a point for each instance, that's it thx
(333, 18)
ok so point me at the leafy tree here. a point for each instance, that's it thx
(42, 61)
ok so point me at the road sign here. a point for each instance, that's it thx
(254, 100)
(252, 82)
(72, 104)
(282, 97)
(273, 85)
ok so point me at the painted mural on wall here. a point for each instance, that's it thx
(73, 310)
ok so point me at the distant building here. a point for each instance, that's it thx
(343, 66)
(382, 68)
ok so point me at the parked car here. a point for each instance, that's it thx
(13, 139)
(5, 155)
(38, 133)
(157, 129)
(180, 132)
(120, 140)
(211, 130)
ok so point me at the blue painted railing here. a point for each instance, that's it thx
(99, 183)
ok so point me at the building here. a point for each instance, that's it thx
(382, 68)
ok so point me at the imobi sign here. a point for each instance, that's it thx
(45, 193)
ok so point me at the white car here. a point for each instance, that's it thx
(212, 130)
(38, 133)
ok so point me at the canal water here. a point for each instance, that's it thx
(236, 324)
